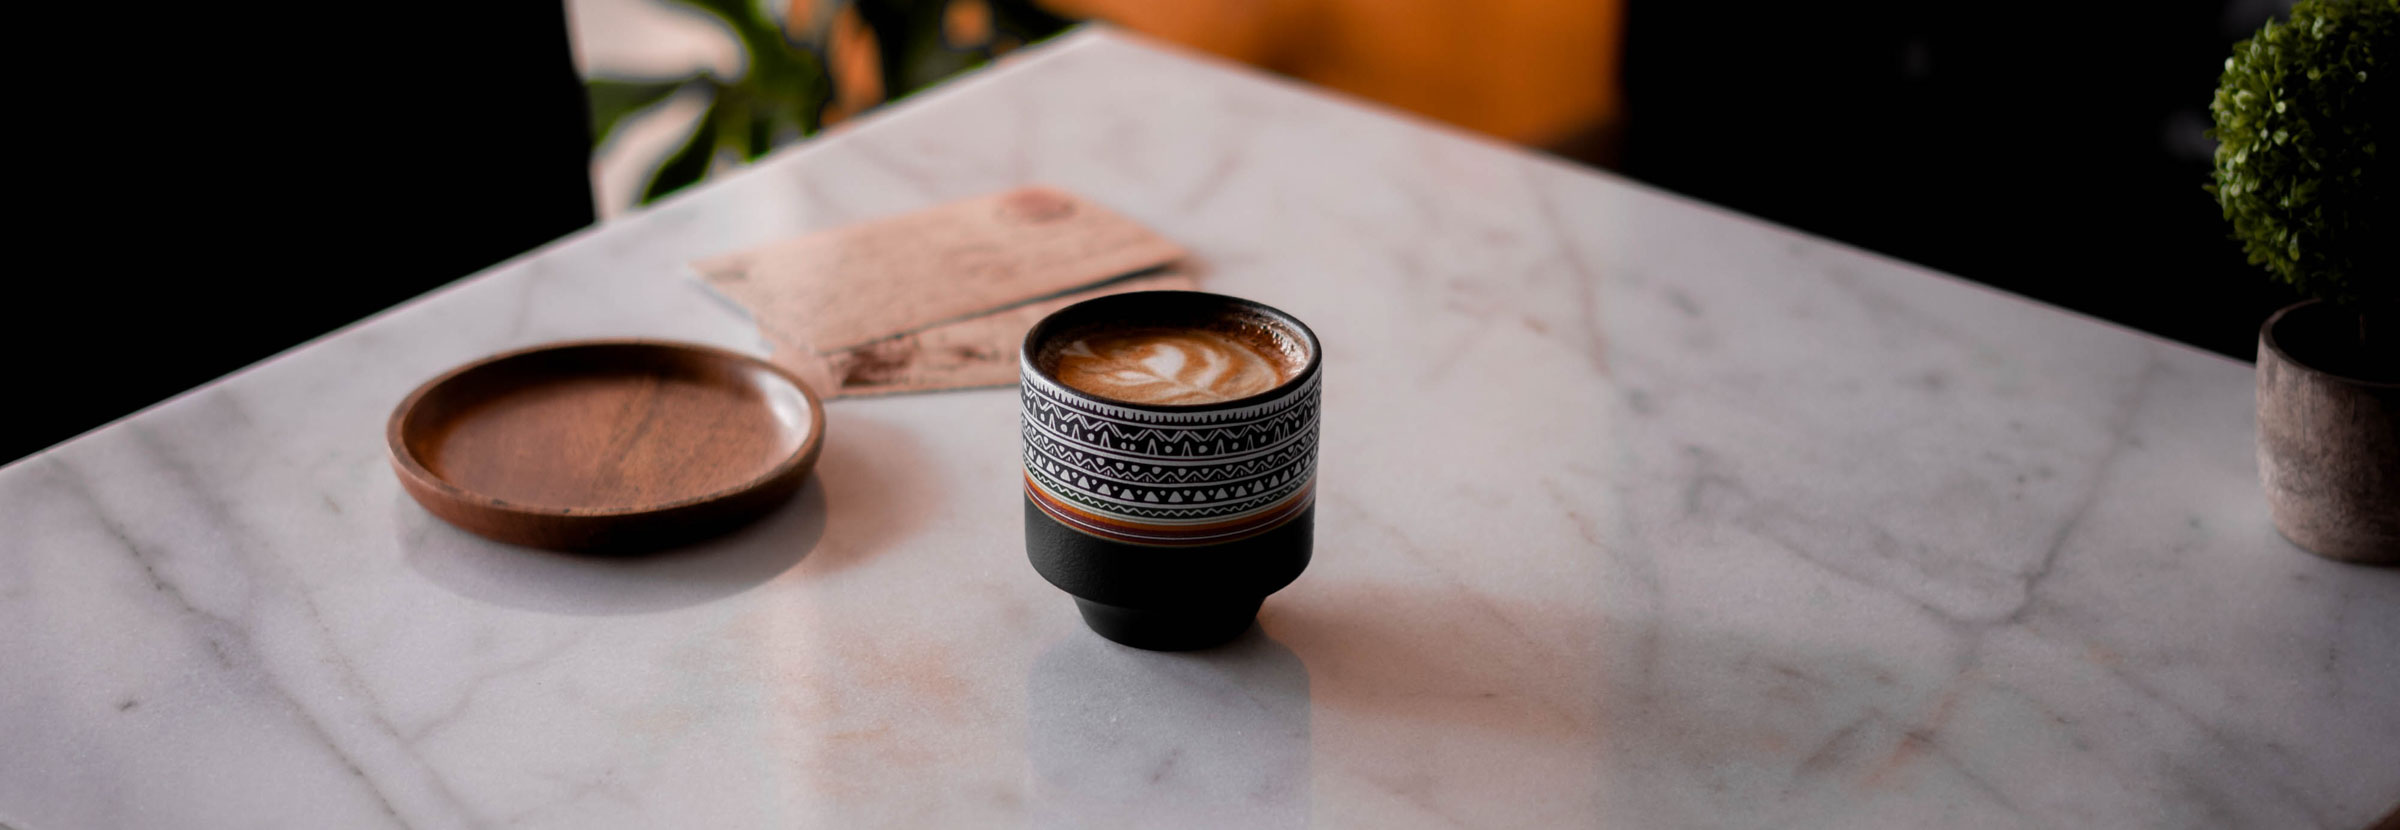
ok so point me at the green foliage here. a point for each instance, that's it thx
(613, 100)
(2299, 114)
(783, 90)
(780, 93)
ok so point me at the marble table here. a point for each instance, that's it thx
(1635, 513)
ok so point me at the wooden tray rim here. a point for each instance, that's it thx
(406, 462)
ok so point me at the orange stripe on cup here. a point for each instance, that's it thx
(1117, 529)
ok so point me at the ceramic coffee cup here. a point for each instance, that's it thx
(1170, 444)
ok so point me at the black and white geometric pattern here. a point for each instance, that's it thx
(1169, 468)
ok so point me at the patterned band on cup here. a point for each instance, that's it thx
(1169, 478)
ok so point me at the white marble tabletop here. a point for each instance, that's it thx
(1635, 513)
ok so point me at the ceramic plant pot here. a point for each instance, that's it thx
(2328, 444)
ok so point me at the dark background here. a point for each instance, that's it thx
(2053, 152)
(230, 183)
(225, 183)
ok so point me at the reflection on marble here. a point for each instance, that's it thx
(1121, 737)
(566, 583)
(1735, 528)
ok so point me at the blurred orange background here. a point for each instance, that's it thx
(1536, 72)
(1539, 73)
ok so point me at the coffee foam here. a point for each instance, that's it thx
(1171, 365)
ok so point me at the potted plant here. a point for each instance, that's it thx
(807, 65)
(2308, 125)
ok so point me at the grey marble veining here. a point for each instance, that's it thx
(1635, 513)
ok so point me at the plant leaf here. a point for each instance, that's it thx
(736, 12)
(762, 136)
(689, 162)
(613, 100)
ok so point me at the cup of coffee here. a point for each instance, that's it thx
(1170, 461)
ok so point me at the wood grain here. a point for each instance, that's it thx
(605, 445)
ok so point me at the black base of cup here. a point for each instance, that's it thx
(1168, 598)
(1169, 629)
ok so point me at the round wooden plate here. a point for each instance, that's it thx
(606, 445)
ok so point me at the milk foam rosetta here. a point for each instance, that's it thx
(1168, 365)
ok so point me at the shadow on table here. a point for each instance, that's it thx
(541, 580)
(1454, 661)
(879, 484)
(1121, 737)
(1461, 702)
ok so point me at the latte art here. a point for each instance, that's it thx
(1168, 365)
